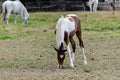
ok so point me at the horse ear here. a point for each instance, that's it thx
(55, 31)
(55, 49)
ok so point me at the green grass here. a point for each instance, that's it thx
(26, 51)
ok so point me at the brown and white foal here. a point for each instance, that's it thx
(65, 29)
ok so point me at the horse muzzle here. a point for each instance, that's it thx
(25, 21)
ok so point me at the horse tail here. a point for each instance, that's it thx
(4, 11)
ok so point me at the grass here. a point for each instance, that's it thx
(26, 51)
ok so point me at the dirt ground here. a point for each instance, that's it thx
(105, 65)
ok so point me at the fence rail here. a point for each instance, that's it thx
(62, 5)
(55, 5)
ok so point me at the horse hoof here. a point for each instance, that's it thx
(61, 67)
(71, 66)
(85, 62)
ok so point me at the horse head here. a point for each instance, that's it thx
(25, 18)
(60, 55)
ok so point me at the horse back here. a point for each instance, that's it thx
(75, 19)
(13, 6)
(77, 23)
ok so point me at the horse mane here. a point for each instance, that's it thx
(59, 31)
(26, 12)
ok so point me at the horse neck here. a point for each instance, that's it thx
(25, 12)
(60, 32)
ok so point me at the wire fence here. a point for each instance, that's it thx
(55, 5)
(62, 5)
(51, 5)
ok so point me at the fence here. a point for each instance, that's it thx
(55, 5)
(61, 5)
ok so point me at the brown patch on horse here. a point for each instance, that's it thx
(77, 23)
(72, 33)
(66, 38)
(78, 30)
(71, 19)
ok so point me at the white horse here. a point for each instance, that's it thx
(93, 4)
(17, 8)
(66, 28)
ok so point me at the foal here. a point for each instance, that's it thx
(65, 29)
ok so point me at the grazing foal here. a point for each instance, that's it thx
(65, 29)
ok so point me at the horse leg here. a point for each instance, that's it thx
(95, 6)
(4, 14)
(70, 56)
(73, 47)
(68, 49)
(78, 33)
(15, 18)
(90, 4)
(90, 7)
(7, 17)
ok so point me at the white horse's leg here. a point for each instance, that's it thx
(7, 17)
(90, 4)
(70, 56)
(84, 56)
(15, 18)
(95, 6)
(91, 7)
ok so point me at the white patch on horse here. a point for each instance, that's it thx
(59, 32)
(84, 56)
(61, 56)
(68, 25)
(73, 56)
(70, 56)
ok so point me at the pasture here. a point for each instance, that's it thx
(26, 51)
